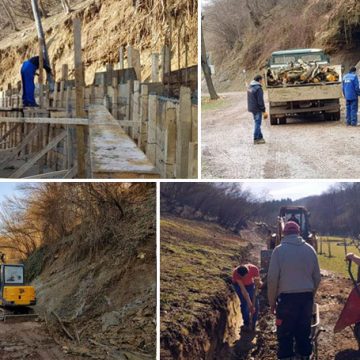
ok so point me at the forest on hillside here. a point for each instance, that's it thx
(242, 34)
(335, 212)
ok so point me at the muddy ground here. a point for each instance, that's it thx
(29, 340)
(299, 149)
(331, 297)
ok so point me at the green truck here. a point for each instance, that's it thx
(301, 82)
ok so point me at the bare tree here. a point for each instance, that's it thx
(206, 70)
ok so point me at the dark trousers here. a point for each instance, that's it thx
(293, 320)
(244, 307)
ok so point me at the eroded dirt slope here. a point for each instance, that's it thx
(106, 25)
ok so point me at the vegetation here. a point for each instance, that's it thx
(336, 262)
(86, 215)
(334, 212)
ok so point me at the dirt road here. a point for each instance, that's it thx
(29, 340)
(299, 149)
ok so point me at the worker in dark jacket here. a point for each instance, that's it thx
(351, 91)
(28, 72)
(293, 278)
(256, 106)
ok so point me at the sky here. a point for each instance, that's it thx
(7, 188)
(288, 189)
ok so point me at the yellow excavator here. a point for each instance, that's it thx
(14, 292)
(15, 296)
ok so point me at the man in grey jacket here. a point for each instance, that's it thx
(293, 278)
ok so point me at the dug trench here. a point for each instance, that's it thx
(200, 313)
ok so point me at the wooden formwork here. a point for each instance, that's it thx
(118, 127)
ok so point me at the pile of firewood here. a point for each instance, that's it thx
(302, 73)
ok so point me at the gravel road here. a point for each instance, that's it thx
(301, 149)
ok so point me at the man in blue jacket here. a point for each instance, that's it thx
(256, 106)
(351, 91)
(28, 72)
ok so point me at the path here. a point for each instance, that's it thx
(300, 149)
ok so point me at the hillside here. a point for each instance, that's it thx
(99, 276)
(199, 312)
(242, 35)
(106, 26)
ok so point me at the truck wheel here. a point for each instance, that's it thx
(273, 120)
(336, 116)
(282, 121)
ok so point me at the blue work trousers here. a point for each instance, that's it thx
(351, 112)
(244, 306)
(257, 131)
(28, 71)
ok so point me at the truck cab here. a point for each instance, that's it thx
(13, 291)
(283, 58)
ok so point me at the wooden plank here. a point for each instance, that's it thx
(112, 152)
(129, 123)
(45, 120)
(23, 169)
(305, 93)
(50, 175)
(9, 132)
(27, 140)
(79, 90)
(183, 133)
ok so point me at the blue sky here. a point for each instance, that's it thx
(7, 188)
(294, 190)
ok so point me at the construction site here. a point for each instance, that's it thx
(205, 236)
(78, 278)
(120, 100)
(301, 78)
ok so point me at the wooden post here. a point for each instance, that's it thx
(183, 133)
(63, 84)
(121, 58)
(170, 141)
(41, 74)
(79, 90)
(155, 67)
(144, 107)
(134, 131)
(134, 61)
(115, 98)
(151, 140)
(166, 62)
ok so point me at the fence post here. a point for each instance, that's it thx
(183, 133)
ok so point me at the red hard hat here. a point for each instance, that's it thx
(291, 227)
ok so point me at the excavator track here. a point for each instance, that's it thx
(17, 315)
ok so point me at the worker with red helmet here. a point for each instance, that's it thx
(293, 278)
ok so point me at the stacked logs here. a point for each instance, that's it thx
(302, 73)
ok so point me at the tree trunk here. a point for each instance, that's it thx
(206, 69)
(8, 13)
